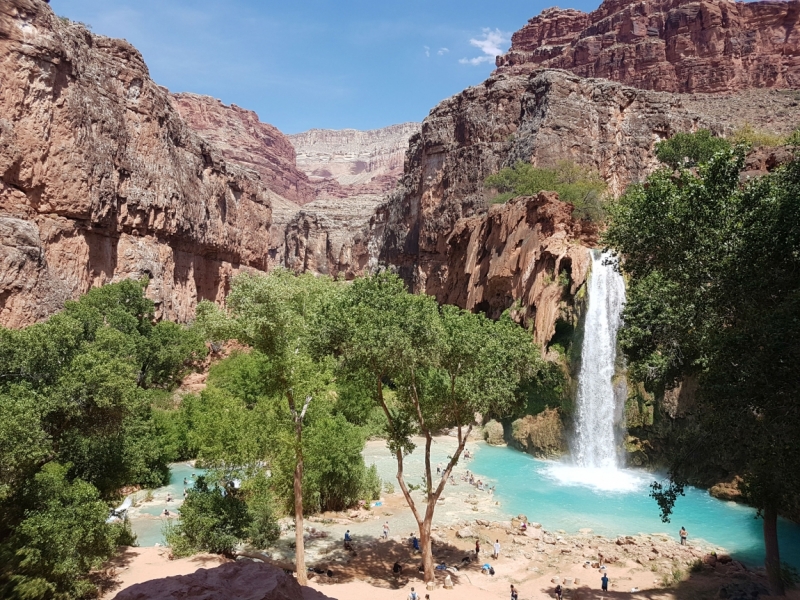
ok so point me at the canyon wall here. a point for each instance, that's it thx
(101, 178)
(540, 117)
(349, 163)
(351, 171)
(667, 45)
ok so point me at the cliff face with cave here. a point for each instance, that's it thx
(101, 178)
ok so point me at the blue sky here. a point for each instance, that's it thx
(315, 63)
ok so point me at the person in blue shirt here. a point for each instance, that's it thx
(347, 540)
(415, 543)
(604, 581)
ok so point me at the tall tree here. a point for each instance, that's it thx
(446, 366)
(715, 293)
(273, 314)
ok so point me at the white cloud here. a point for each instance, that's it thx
(443, 51)
(427, 50)
(490, 43)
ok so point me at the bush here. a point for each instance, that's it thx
(749, 136)
(580, 186)
(212, 520)
(371, 484)
(62, 537)
(685, 150)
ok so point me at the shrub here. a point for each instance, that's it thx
(749, 136)
(685, 150)
(212, 520)
(580, 186)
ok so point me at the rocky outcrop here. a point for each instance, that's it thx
(244, 140)
(350, 163)
(541, 435)
(240, 580)
(351, 171)
(667, 45)
(101, 179)
(493, 433)
(329, 236)
(528, 251)
(435, 229)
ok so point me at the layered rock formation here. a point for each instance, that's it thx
(435, 229)
(100, 177)
(350, 163)
(244, 140)
(667, 45)
(351, 171)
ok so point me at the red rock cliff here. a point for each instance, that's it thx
(667, 45)
(101, 179)
(244, 140)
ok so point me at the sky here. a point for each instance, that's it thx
(330, 64)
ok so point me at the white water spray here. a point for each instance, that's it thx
(595, 443)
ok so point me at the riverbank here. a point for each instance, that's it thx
(653, 563)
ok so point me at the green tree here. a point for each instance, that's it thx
(580, 186)
(690, 149)
(273, 315)
(213, 519)
(714, 292)
(62, 536)
(76, 390)
(445, 365)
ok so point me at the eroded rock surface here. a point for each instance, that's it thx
(667, 45)
(240, 580)
(435, 229)
(244, 140)
(350, 163)
(101, 179)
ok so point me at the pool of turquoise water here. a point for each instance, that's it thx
(146, 520)
(618, 503)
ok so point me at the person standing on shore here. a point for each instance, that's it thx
(684, 534)
(477, 548)
(604, 582)
(514, 594)
(386, 530)
(496, 549)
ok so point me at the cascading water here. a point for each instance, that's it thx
(595, 445)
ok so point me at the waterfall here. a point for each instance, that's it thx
(595, 444)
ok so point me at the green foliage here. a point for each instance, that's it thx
(77, 390)
(580, 186)
(751, 137)
(61, 537)
(715, 292)
(212, 520)
(685, 150)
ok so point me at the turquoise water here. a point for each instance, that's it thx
(146, 520)
(619, 504)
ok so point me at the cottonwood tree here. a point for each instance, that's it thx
(715, 293)
(273, 314)
(445, 365)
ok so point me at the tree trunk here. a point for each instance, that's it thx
(427, 551)
(300, 552)
(773, 558)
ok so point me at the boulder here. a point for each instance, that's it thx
(241, 580)
(493, 433)
(466, 532)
